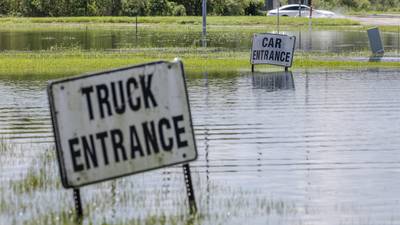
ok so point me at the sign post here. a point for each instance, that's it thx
(273, 49)
(204, 23)
(189, 189)
(121, 122)
(78, 203)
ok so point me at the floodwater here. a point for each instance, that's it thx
(308, 147)
(126, 37)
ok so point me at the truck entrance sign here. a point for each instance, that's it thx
(120, 122)
(274, 49)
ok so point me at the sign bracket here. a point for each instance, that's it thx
(189, 188)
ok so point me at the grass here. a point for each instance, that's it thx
(66, 63)
(191, 20)
(36, 199)
(37, 177)
(5, 145)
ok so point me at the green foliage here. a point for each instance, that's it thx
(159, 8)
(358, 5)
(135, 7)
(253, 8)
(42, 8)
(178, 10)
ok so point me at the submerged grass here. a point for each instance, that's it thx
(67, 63)
(5, 145)
(37, 177)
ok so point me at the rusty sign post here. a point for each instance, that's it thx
(121, 122)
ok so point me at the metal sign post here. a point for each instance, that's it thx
(204, 13)
(277, 17)
(121, 122)
(136, 25)
(299, 8)
(78, 203)
(189, 189)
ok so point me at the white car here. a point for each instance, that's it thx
(293, 10)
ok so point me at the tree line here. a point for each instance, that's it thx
(43, 8)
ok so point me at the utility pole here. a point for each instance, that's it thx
(299, 8)
(204, 13)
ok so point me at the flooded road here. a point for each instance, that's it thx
(311, 147)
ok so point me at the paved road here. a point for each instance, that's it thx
(379, 20)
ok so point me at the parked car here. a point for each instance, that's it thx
(293, 10)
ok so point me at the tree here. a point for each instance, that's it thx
(158, 7)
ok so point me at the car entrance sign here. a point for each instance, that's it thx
(274, 49)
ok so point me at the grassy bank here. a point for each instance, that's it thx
(211, 20)
(67, 63)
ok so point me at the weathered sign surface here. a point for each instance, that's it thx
(375, 41)
(274, 49)
(120, 122)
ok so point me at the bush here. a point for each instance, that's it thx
(178, 10)
(254, 7)
(159, 8)
(135, 8)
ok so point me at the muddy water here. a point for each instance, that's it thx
(312, 147)
(126, 37)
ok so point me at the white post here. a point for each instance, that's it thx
(278, 2)
(299, 8)
(204, 13)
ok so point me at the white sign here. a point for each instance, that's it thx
(121, 122)
(273, 49)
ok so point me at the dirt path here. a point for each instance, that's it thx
(378, 20)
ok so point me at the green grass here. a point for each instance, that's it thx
(37, 199)
(58, 64)
(180, 24)
(191, 20)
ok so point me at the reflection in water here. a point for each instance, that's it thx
(325, 152)
(127, 37)
(273, 81)
(375, 58)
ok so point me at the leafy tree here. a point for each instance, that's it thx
(4, 7)
(192, 7)
(158, 7)
(135, 7)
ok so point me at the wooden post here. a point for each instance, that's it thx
(252, 68)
